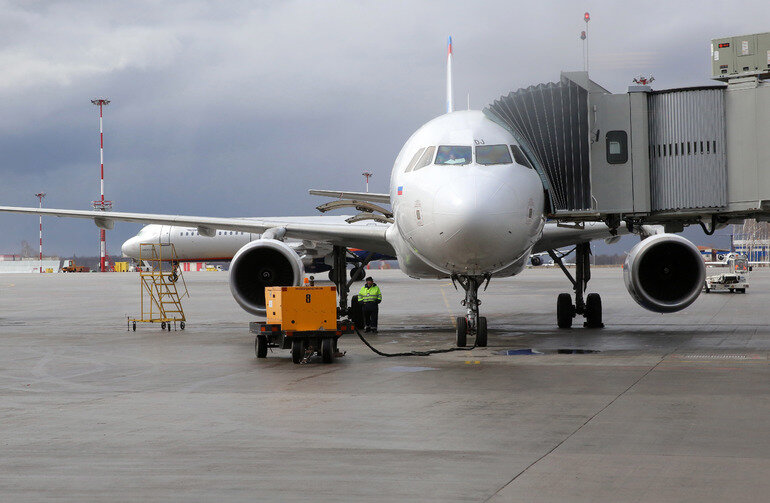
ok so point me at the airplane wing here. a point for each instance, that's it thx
(358, 196)
(330, 229)
(555, 236)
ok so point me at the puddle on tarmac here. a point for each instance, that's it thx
(409, 369)
(530, 351)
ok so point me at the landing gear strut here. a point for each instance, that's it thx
(338, 275)
(471, 323)
(591, 307)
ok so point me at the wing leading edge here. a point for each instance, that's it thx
(330, 229)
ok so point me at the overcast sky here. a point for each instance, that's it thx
(237, 108)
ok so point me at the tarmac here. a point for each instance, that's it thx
(651, 408)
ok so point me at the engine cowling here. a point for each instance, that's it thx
(262, 263)
(664, 273)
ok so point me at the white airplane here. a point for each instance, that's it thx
(466, 204)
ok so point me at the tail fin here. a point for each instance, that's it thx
(450, 104)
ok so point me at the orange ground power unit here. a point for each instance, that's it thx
(302, 308)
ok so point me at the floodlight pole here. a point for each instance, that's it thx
(40, 197)
(367, 175)
(586, 18)
(101, 204)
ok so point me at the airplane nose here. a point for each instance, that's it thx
(478, 219)
(130, 248)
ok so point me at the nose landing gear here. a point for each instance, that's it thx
(471, 323)
(591, 307)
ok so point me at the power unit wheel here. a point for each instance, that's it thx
(260, 346)
(462, 332)
(133, 326)
(741, 290)
(594, 311)
(327, 350)
(181, 325)
(297, 350)
(163, 325)
(481, 332)
(168, 326)
(564, 310)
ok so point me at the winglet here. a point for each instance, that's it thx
(450, 105)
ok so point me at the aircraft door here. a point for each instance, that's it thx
(165, 234)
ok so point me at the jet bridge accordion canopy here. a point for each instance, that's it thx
(550, 122)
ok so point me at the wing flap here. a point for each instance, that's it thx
(358, 196)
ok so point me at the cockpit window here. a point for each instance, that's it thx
(453, 155)
(414, 160)
(520, 157)
(493, 154)
(427, 158)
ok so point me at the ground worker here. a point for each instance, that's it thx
(370, 297)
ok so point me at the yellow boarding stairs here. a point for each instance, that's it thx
(161, 296)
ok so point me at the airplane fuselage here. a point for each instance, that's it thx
(473, 215)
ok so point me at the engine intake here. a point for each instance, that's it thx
(664, 273)
(262, 263)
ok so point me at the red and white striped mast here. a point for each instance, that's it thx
(40, 197)
(102, 204)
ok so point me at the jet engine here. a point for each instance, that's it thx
(261, 263)
(664, 273)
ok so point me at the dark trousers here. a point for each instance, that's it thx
(370, 310)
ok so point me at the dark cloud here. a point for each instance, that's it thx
(237, 109)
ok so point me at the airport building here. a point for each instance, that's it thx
(753, 240)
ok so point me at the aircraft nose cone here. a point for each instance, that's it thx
(478, 220)
(130, 248)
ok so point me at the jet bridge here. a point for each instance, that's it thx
(673, 157)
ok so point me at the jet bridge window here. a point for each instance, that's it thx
(425, 159)
(617, 147)
(493, 154)
(448, 154)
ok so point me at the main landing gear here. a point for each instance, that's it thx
(471, 323)
(341, 256)
(591, 307)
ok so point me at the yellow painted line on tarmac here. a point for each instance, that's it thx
(472, 362)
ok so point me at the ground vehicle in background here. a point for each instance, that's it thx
(733, 280)
(71, 266)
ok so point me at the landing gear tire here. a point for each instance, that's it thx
(462, 332)
(297, 350)
(357, 274)
(593, 312)
(481, 332)
(327, 350)
(260, 346)
(565, 311)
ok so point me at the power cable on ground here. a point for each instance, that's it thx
(411, 353)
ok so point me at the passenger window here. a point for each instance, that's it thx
(427, 158)
(493, 154)
(519, 156)
(414, 160)
(617, 147)
(453, 155)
